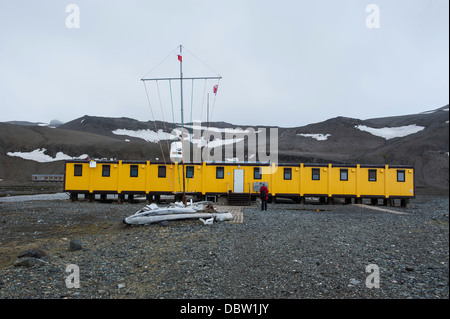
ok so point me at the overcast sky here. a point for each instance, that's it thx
(284, 63)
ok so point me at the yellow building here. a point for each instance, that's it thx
(296, 181)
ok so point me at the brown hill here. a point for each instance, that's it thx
(17, 138)
(336, 140)
(427, 149)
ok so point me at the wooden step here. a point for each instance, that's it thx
(239, 199)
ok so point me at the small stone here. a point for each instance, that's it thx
(74, 245)
(409, 268)
(355, 282)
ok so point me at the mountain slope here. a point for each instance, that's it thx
(25, 139)
(420, 139)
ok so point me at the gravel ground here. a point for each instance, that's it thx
(289, 251)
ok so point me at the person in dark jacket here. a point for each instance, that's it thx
(264, 195)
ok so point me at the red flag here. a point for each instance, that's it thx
(180, 58)
(215, 89)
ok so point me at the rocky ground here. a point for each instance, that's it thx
(290, 251)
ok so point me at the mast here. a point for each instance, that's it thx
(182, 124)
(207, 125)
(181, 78)
(207, 112)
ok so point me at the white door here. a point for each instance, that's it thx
(238, 181)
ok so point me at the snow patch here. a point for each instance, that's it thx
(434, 111)
(154, 137)
(319, 137)
(24, 198)
(391, 132)
(223, 130)
(215, 143)
(147, 135)
(39, 156)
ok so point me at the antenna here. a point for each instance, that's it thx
(181, 79)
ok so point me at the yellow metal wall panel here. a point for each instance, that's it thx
(215, 185)
(193, 184)
(268, 174)
(405, 188)
(129, 183)
(311, 186)
(372, 188)
(161, 184)
(77, 182)
(98, 182)
(285, 186)
(205, 181)
(343, 187)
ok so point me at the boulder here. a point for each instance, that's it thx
(34, 253)
(28, 262)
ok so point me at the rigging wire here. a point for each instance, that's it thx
(154, 122)
(174, 126)
(171, 101)
(192, 98)
(203, 102)
(192, 124)
(162, 112)
(200, 60)
(161, 62)
(165, 129)
(214, 102)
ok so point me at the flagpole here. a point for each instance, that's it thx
(207, 127)
(182, 124)
(181, 78)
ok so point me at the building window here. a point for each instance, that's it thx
(78, 170)
(344, 174)
(106, 170)
(316, 174)
(220, 172)
(134, 170)
(372, 175)
(400, 175)
(257, 173)
(161, 171)
(189, 171)
(288, 173)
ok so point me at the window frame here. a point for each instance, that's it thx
(257, 173)
(372, 178)
(190, 169)
(287, 170)
(162, 171)
(222, 170)
(76, 168)
(106, 168)
(134, 168)
(401, 171)
(315, 174)
(345, 171)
